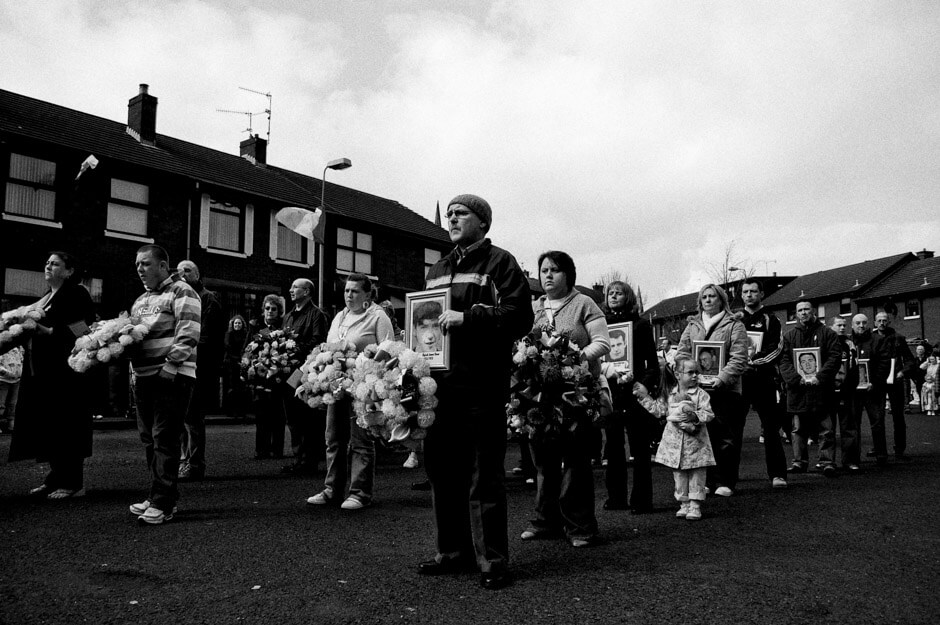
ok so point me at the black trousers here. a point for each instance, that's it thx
(640, 428)
(760, 391)
(726, 432)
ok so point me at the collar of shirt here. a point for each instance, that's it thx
(461, 254)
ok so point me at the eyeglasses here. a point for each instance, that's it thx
(459, 214)
(274, 308)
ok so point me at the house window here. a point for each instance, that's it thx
(430, 258)
(25, 283)
(289, 248)
(821, 312)
(226, 228)
(791, 313)
(30, 189)
(912, 309)
(845, 306)
(127, 210)
(353, 251)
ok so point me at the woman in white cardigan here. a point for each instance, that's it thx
(361, 323)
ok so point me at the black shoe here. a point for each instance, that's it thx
(871, 454)
(494, 580)
(642, 510)
(449, 566)
(829, 471)
(424, 485)
(796, 468)
(616, 504)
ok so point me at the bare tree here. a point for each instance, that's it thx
(611, 275)
(732, 266)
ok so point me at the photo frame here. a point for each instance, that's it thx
(621, 346)
(806, 360)
(422, 331)
(755, 341)
(711, 357)
(864, 375)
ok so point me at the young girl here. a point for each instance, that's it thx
(928, 393)
(685, 446)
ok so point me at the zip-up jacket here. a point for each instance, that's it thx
(767, 323)
(802, 398)
(173, 311)
(899, 350)
(489, 288)
(731, 331)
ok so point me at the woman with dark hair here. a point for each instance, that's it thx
(564, 500)
(620, 306)
(233, 389)
(361, 323)
(53, 421)
(716, 322)
(270, 415)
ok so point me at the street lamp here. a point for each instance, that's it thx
(339, 163)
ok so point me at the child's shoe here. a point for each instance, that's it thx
(683, 510)
(695, 511)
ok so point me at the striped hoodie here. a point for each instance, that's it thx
(173, 311)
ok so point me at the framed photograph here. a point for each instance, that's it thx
(864, 378)
(621, 346)
(806, 360)
(711, 357)
(422, 331)
(755, 340)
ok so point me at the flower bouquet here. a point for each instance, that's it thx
(17, 325)
(327, 374)
(552, 389)
(393, 393)
(106, 340)
(270, 358)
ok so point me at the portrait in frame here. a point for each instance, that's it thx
(864, 378)
(711, 357)
(755, 340)
(423, 331)
(806, 360)
(621, 346)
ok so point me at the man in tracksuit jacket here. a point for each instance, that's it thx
(465, 448)
(164, 376)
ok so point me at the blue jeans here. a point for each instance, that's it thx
(161, 408)
(817, 424)
(344, 439)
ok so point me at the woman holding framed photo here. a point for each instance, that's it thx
(716, 323)
(564, 500)
(621, 308)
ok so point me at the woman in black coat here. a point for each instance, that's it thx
(234, 396)
(620, 306)
(53, 418)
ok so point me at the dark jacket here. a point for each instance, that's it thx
(488, 286)
(872, 347)
(53, 416)
(898, 349)
(764, 361)
(309, 324)
(847, 378)
(645, 361)
(802, 398)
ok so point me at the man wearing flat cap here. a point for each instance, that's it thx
(466, 447)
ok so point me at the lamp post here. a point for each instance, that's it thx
(339, 163)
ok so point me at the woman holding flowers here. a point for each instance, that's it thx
(361, 323)
(564, 500)
(270, 417)
(716, 322)
(54, 420)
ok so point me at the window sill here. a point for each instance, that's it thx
(292, 263)
(32, 220)
(212, 250)
(912, 317)
(126, 235)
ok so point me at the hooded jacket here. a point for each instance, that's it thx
(801, 397)
(730, 330)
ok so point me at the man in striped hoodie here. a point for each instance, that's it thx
(164, 376)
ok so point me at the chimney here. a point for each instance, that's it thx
(142, 117)
(255, 149)
(924, 254)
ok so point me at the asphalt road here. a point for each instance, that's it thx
(245, 548)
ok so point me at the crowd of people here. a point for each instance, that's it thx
(681, 406)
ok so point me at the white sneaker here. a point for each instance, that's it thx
(352, 503)
(695, 510)
(723, 491)
(320, 499)
(155, 516)
(683, 510)
(138, 509)
(778, 483)
(412, 461)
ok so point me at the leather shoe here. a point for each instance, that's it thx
(616, 504)
(494, 580)
(448, 566)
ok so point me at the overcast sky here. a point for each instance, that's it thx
(638, 137)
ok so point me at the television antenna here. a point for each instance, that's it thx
(251, 114)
